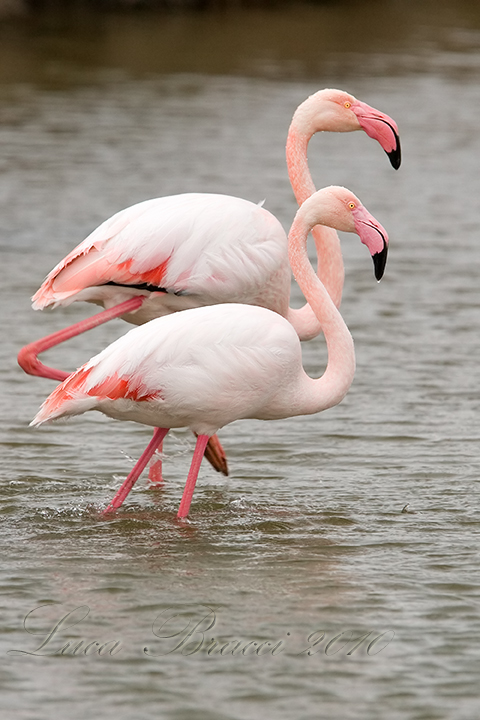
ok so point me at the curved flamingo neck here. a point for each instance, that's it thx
(332, 386)
(297, 161)
(330, 268)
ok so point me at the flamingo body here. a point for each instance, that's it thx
(179, 251)
(202, 369)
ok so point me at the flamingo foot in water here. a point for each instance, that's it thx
(142, 462)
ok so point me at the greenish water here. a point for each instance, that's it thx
(298, 588)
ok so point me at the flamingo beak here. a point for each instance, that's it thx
(380, 127)
(395, 156)
(374, 236)
(379, 261)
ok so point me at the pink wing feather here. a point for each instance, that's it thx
(92, 262)
(217, 247)
(77, 389)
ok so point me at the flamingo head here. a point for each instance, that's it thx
(338, 111)
(339, 208)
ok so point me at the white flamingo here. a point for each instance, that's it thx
(196, 249)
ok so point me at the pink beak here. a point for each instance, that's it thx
(374, 236)
(380, 127)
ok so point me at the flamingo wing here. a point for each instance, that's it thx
(215, 246)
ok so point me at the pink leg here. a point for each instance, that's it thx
(133, 476)
(27, 357)
(155, 476)
(198, 454)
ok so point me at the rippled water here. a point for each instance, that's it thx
(307, 536)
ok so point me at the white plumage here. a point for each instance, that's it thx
(198, 248)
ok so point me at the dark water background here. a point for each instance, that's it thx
(307, 536)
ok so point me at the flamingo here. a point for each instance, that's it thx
(208, 366)
(183, 251)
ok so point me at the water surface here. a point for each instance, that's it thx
(307, 536)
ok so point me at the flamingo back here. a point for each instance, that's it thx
(205, 247)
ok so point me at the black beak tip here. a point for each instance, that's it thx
(395, 156)
(379, 262)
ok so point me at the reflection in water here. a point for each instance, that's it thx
(308, 534)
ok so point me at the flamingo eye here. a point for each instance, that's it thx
(347, 104)
(351, 205)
